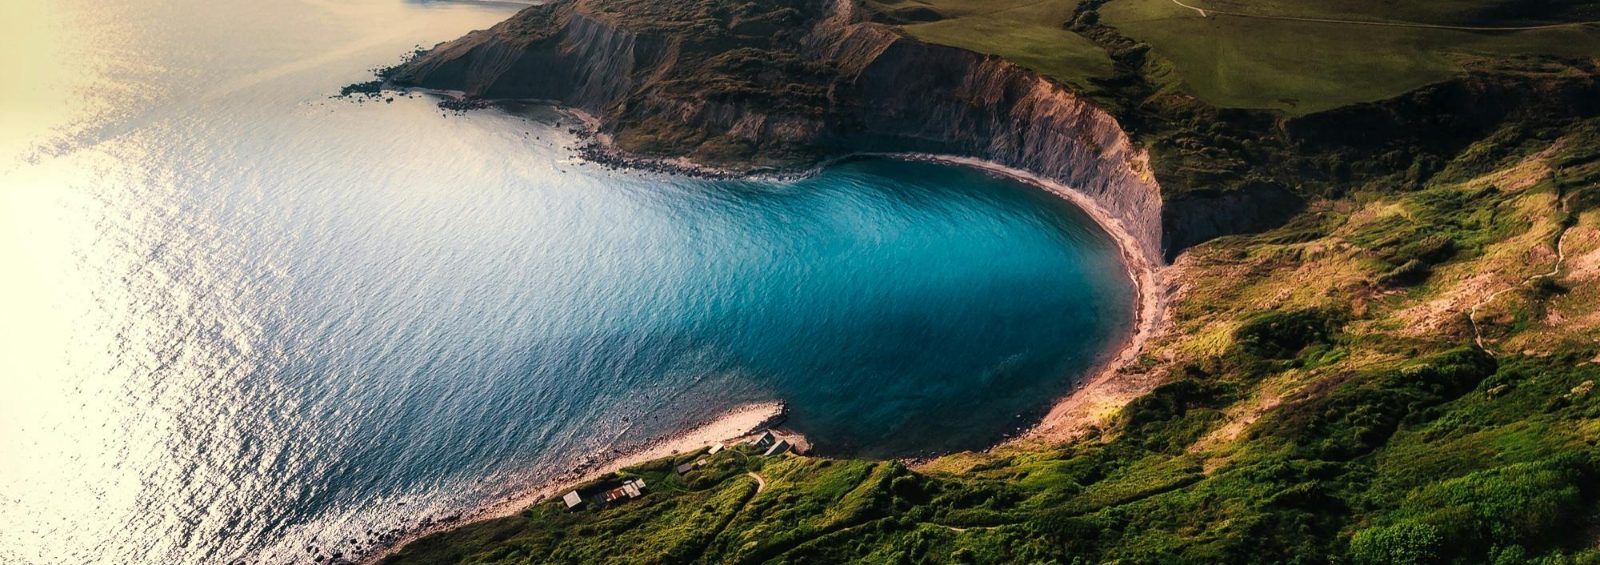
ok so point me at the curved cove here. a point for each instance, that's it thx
(251, 319)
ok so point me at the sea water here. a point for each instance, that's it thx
(241, 318)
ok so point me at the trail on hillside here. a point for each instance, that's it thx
(1561, 258)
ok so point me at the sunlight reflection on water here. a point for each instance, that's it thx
(242, 318)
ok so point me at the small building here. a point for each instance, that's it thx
(777, 448)
(763, 441)
(715, 449)
(633, 488)
(573, 499)
(690, 466)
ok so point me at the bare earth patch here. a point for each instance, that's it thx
(1584, 265)
(1434, 315)
(1238, 419)
(1526, 173)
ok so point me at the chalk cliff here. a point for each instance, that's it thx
(786, 84)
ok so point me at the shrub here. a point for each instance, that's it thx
(1545, 287)
(1431, 250)
(1407, 274)
(1281, 335)
(1513, 504)
(1360, 413)
(1399, 544)
(1174, 415)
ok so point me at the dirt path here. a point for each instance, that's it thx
(1208, 13)
(1561, 258)
(761, 484)
(958, 530)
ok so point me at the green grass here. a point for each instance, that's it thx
(1441, 12)
(1290, 66)
(1305, 67)
(1028, 32)
(1232, 62)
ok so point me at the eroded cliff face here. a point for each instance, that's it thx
(924, 98)
(836, 86)
(561, 55)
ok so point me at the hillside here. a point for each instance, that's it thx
(1322, 400)
(1293, 56)
(1383, 316)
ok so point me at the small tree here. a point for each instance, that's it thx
(1405, 543)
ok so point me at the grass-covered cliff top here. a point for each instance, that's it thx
(705, 21)
(1292, 56)
(1323, 399)
(1229, 95)
(1224, 102)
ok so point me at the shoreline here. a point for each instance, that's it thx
(1067, 417)
(738, 422)
(1090, 399)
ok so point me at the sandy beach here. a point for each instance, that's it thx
(1095, 398)
(1090, 402)
(736, 423)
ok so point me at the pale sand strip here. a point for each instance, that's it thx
(1095, 398)
(1090, 402)
(736, 423)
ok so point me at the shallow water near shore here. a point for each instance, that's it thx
(243, 318)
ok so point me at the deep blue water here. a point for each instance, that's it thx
(241, 315)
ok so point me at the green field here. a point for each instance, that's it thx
(1295, 67)
(1440, 12)
(1028, 32)
(1303, 67)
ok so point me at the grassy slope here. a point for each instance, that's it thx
(1452, 12)
(1025, 31)
(1304, 67)
(1230, 62)
(1324, 404)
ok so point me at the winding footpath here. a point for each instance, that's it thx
(1561, 258)
(1204, 13)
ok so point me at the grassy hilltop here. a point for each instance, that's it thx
(1297, 67)
(1220, 99)
(1403, 372)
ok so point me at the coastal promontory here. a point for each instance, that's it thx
(1373, 232)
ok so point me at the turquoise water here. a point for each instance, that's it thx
(243, 316)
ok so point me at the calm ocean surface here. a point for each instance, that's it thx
(239, 316)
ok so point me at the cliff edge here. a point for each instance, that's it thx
(788, 84)
(791, 83)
